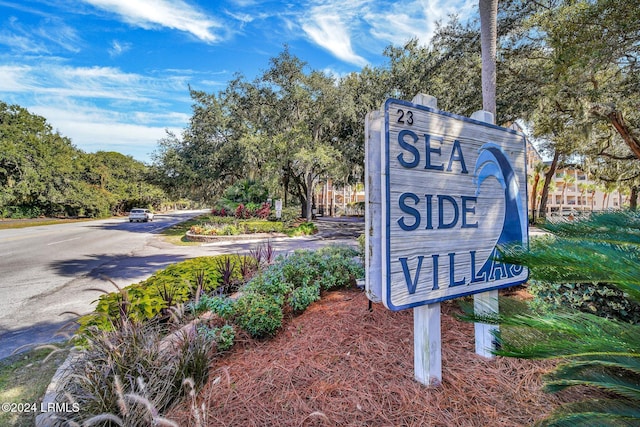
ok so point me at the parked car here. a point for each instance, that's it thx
(138, 215)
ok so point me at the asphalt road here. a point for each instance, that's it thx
(48, 273)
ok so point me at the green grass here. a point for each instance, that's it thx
(24, 379)
(7, 224)
(176, 233)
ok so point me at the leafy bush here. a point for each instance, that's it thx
(231, 226)
(258, 314)
(242, 212)
(302, 297)
(262, 226)
(20, 212)
(297, 280)
(152, 297)
(600, 299)
(223, 336)
(229, 230)
(270, 282)
(289, 215)
(263, 211)
(303, 229)
(222, 306)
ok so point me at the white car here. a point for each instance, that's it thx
(140, 215)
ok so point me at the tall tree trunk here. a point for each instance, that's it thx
(285, 184)
(545, 188)
(488, 37)
(534, 197)
(309, 178)
(633, 198)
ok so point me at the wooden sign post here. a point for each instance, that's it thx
(442, 192)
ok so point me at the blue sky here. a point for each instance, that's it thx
(113, 75)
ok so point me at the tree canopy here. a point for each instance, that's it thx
(568, 69)
(42, 173)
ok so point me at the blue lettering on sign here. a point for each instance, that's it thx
(456, 156)
(491, 271)
(410, 148)
(452, 207)
(410, 157)
(430, 150)
(409, 210)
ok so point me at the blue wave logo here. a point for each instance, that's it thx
(494, 162)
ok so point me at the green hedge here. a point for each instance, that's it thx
(174, 285)
(293, 281)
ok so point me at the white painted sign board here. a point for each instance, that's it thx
(450, 190)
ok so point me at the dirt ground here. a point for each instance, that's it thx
(338, 364)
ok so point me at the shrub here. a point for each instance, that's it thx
(258, 314)
(262, 226)
(223, 336)
(303, 229)
(600, 299)
(222, 306)
(242, 212)
(152, 297)
(263, 211)
(270, 282)
(302, 297)
(289, 214)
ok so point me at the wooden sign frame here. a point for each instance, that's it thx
(451, 188)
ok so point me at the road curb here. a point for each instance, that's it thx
(55, 388)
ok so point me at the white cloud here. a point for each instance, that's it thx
(330, 32)
(50, 34)
(50, 79)
(175, 14)
(92, 129)
(330, 25)
(399, 22)
(101, 108)
(118, 48)
(345, 28)
(16, 78)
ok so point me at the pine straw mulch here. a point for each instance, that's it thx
(338, 364)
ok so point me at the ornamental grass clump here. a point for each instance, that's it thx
(130, 375)
(596, 349)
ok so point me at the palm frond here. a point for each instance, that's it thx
(600, 373)
(560, 260)
(596, 352)
(618, 228)
(595, 412)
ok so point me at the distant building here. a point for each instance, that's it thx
(347, 200)
(571, 192)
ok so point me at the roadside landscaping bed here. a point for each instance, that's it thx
(209, 228)
(149, 346)
(338, 364)
(176, 350)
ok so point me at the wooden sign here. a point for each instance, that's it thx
(448, 190)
